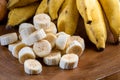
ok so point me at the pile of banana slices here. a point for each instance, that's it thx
(41, 40)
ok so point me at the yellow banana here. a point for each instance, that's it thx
(96, 29)
(19, 15)
(18, 3)
(43, 7)
(112, 11)
(54, 6)
(68, 18)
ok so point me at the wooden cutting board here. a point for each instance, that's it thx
(92, 64)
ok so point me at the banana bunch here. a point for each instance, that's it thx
(41, 39)
(66, 13)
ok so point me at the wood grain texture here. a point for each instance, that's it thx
(115, 76)
(92, 64)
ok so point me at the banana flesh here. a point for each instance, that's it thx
(26, 53)
(53, 58)
(68, 61)
(8, 38)
(112, 11)
(96, 30)
(42, 48)
(32, 66)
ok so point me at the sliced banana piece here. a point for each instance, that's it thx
(52, 28)
(51, 38)
(19, 37)
(69, 61)
(62, 33)
(25, 29)
(75, 47)
(61, 41)
(10, 46)
(34, 37)
(16, 48)
(23, 26)
(53, 58)
(25, 53)
(8, 38)
(41, 21)
(32, 66)
(42, 48)
(77, 38)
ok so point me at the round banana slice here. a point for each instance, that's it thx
(51, 38)
(77, 38)
(8, 38)
(11, 46)
(16, 48)
(34, 37)
(75, 47)
(62, 33)
(61, 41)
(23, 26)
(32, 66)
(52, 28)
(25, 53)
(26, 29)
(69, 61)
(42, 48)
(53, 58)
(41, 21)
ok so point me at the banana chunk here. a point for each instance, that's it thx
(32, 66)
(68, 61)
(61, 41)
(34, 37)
(23, 26)
(25, 53)
(77, 38)
(42, 48)
(51, 38)
(8, 38)
(25, 29)
(62, 33)
(41, 21)
(53, 58)
(75, 47)
(52, 28)
(11, 46)
(16, 48)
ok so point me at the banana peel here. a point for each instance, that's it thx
(96, 30)
(19, 15)
(43, 7)
(54, 6)
(19, 3)
(68, 17)
(112, 12)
